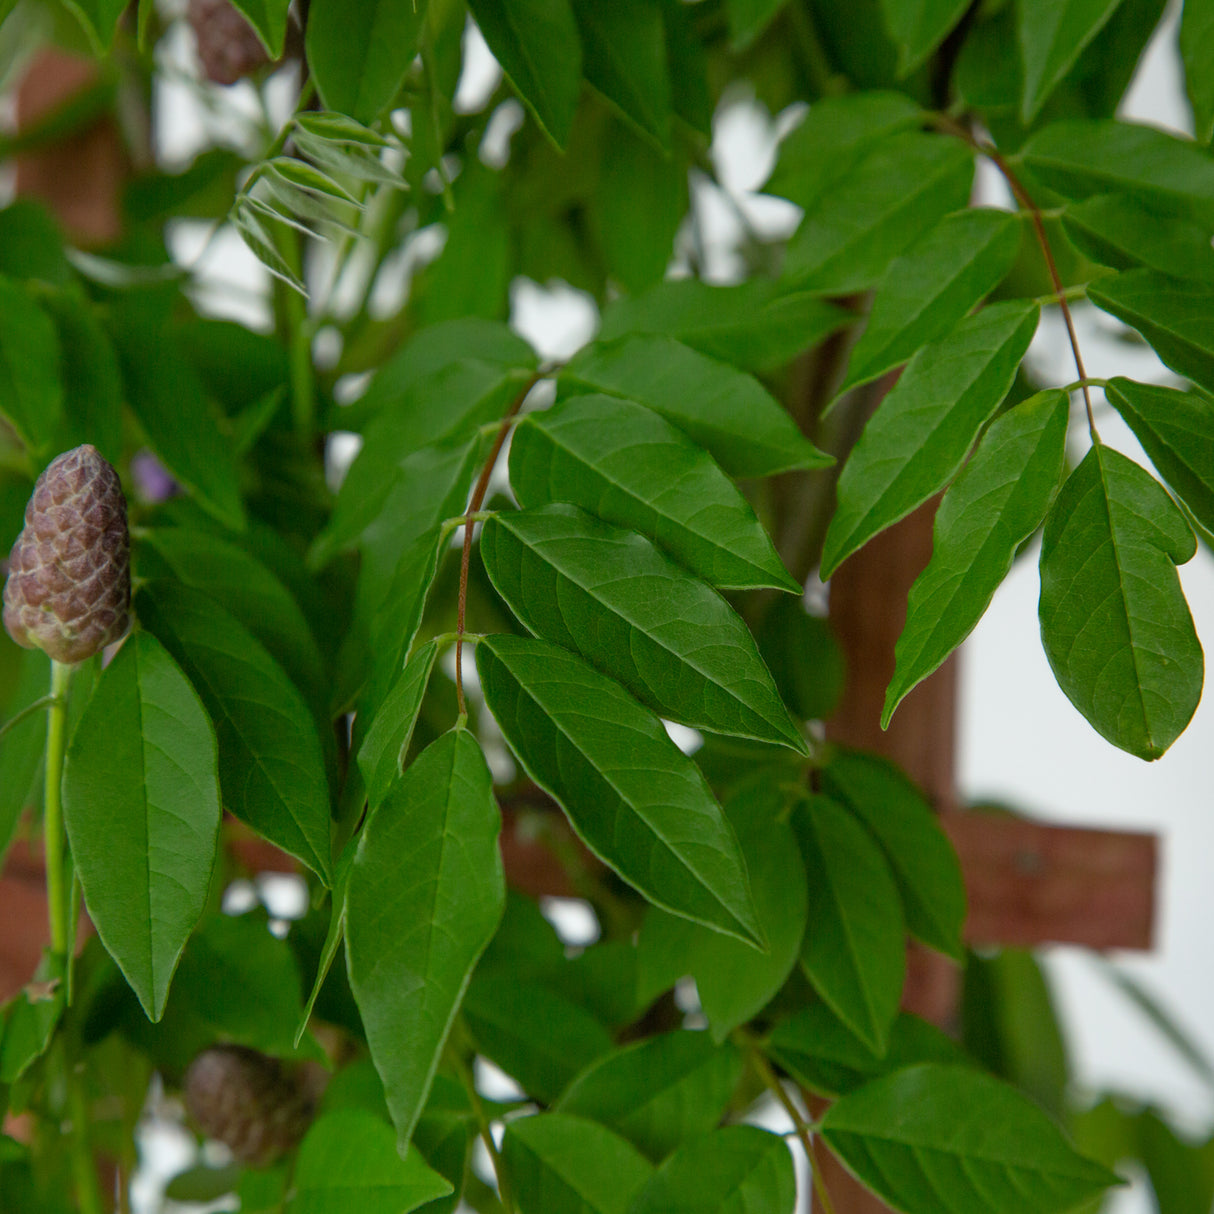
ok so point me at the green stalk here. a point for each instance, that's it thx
(53, 831)
(84, 1167)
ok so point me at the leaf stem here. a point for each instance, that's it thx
(771, 1081)
(27, 711)
(486, 1131)
(52, 824)
(474, 504)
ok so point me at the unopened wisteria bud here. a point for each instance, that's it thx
(69, 578)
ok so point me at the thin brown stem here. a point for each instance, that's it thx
(474, 504)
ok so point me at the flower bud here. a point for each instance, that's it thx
(69, 577)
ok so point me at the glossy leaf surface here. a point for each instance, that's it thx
(141, 801)
(995, 504)
(925, 426)
(932, 286)
(723, 409)
(854, 951)
(935, 1137)
(658, 1092)
(614, 597)
(629, 466)
(561, 1164)
(1114, 621)
(634, 798)
(1176, 429)
(426, 895)
(270, 763)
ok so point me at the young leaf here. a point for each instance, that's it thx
(1176, 429)
(269, 21)
(1123, 233)
(925, 426)
(630, 611)
(566, 1165)
(339, 128)
(757, 325)
(263, 245)
(300, 175)
(1114, 621)
(358, 160)
(904, 185)
(382, 753)
(738, 1169)
(833, 138)
(630, 467)
(624, 57)
(1171, 313)
(919, 26)
(348, 1160)
(995, 504)
(947, 1136)
(632, 796)
(31, 391)
(359, 53)
(535, 1034)
(141, 803)
(538, 46)
(932, 286)
(918, 851)
(1196, 49)
(270, 761)
(1081, 157)
(854, 952)
(724, 410)
(426, 895)
(818, 1050)
(736, 982)
(658, 1092)
(1052, 35)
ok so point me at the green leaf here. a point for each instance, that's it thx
(359, 52)
(932, 286)
(349, 1159)
(1123, 233)
(141, 803)
(1172, 314)
(624, 57)
(738, 1169)
(723, 409)
(339, 128)
(933, 1137)
(1114, 621)
(382, 753)
(535, 1034)
(167, 399)
(538, 46)
(1176, 429)
(270, 762)
(919, 853)
(426, 895)
(99, 19)
(687, 67)
(919, 26)
(31, 391)
(749, 18)
(803, 653)
(358, 160)
(756, 325)
(262, 242)
(1052, 35)
(302, 176)
(1196, 51)
(997, 502)
(630, 611)
(735, 982)
(833, 138)
(1079, 158)
(211, 565)
(923, 429)
(334, 935)
(632, 796)
(269, 21)
(818, 1050)
(854, 952)
(630, 467)
(903, 186)
(566, 1165)
(23, 746)
(30, 1019)
(658, 1092)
